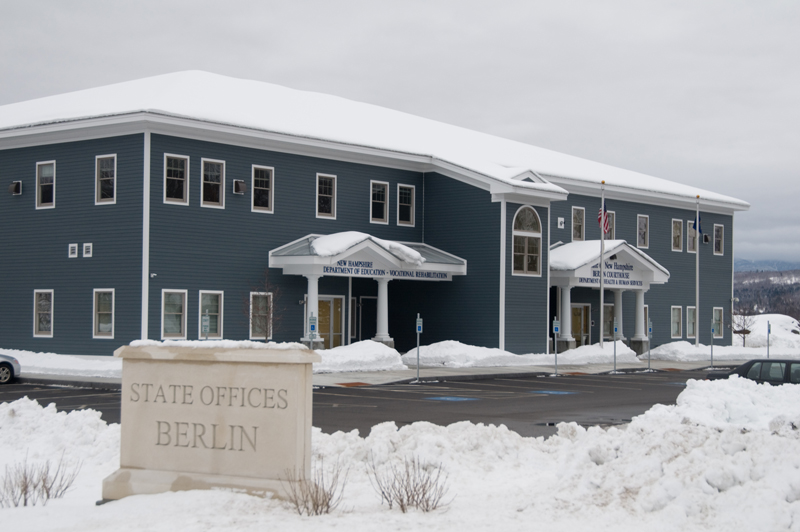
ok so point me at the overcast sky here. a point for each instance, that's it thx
(699, 92)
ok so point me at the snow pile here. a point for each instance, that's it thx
(360, 356)
(219, 344)
(780, 337)
(55, 364)
(327, 246)
(726, 457)
(452, 354)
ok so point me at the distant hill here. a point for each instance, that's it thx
(774, 292)
(744, 265)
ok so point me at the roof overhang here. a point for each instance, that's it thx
(367, 258)
(577, 264)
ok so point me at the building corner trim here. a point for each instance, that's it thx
(145, 236)
(502, 313)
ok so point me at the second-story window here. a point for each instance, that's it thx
(176, 179)
(578, 225)
(718, 232)
(262, 189)
(677, 235)
(643, 231)
(106, 179)
(612, 226)
(213, 192)
(46, 185)
(326, 196)
(405, 205)
(379, 202)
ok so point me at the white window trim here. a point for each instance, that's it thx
(186, 188)
(43, 163)
(583, 227)
(680, 320)
(714, 240)
(613, 235)
(647, 244)
(331, 216)
(538, 235)
(185, 312)
(672, 232)
(203, 202)
(72, 251)
(385, 220)
(97, 200)
(200, 334)
(253, 208)
(36, 314)
(94, 313)
(87, 250)
(689, 227)
(269, 325)
(413, 205)
(719, 333)
(688, 322)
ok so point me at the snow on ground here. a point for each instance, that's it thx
(783, 343)
(76, 365)
(360, 356)
(452, 354)
(726, 457)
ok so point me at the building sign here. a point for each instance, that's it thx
(360, 268)
(615, 275)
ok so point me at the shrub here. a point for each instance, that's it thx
(410, 485)
(320, 494)
(25, 484)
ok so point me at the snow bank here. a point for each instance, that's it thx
(220, 344)
(329, 245)
(55, 364)
(781, 336)
(360, 356)
(452, 354)
(725, 457)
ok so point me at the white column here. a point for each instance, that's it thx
(313, 302)
(566, 315)
(382, 334)
(640, 333)
(618, 314)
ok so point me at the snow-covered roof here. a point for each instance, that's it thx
(574, 255)
(255, 105)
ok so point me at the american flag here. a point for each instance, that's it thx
(602, 218)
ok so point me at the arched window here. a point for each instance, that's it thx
(527, 242)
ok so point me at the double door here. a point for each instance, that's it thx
(331, 321)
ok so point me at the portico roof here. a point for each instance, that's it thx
(626, 267)
(355, 254)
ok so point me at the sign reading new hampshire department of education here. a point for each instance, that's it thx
(198, 418)
(358, 268)
(615, 275)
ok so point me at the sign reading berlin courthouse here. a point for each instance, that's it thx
(197, 418)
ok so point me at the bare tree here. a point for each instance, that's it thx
(741, 324)
(261, 307)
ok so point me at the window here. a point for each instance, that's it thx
(105, 179)
(176, 179)
(211, 306)
(405, 205)
(577, 223)
(717, 322)
(677, 235)
(326, 196)
(794, 373)
(608, 321)
(691, 237)
(352, 317)
(46, 185)
(691, 322)
(718, 233)
(103, 313)
(379, 202)
(771, 371)
(43, 313)
(72, 251)
(213, 192)
(260, 315)
(675, 329)
(527, 235)
(643, 231)
(87, 251)
(612, 232)
(173, 316)
(263, 189)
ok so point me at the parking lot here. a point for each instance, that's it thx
(530, 406)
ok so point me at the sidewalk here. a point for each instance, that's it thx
(351, 379)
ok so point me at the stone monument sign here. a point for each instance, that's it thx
(205, 417)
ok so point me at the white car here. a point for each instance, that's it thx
(9, 369)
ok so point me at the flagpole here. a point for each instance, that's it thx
(602, 252)
(697, 274)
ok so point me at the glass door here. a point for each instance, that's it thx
(330, 321)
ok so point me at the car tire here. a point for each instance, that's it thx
(6, 373)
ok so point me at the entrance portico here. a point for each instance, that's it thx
(359, 255)
(626, 268)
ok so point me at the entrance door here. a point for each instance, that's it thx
(330, 321)
(580, 324)
(368, 318)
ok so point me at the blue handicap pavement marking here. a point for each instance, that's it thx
(553, 392)
(451, 398)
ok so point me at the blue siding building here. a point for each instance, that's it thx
(134, 212)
